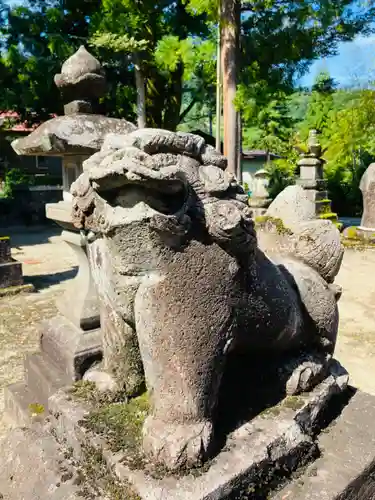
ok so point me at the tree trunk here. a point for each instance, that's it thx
(218, 86)
(141, 91)
(173, 100)
(156, 85)
(230, 20)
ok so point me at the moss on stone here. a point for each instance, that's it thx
(293, 402)
(263, 220)
(87, 391)
(121, 424)
(324, 207)
(290, 402)
(272, 411)
(328, 216)
(36, 409)
(96, 477)
(351, 233)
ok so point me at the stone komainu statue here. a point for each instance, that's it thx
(182, 282)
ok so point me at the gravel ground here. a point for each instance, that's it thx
(50, 264)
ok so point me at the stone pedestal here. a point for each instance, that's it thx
(11, 279)
(71, 339)
(80, 302)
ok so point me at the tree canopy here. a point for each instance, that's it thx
(173, 45)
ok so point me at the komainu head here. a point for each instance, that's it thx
(174, 182)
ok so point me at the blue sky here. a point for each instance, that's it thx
(353, 65)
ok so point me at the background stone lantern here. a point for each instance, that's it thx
(311, 178)
(70, 340)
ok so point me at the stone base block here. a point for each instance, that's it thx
(70, 348)
(345, 469)
(255, 458)
(367, 233)
(22, 407)
(43, 378)
(33, 468)
(5, 249)
(11, 274)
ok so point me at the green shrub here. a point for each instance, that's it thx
(15, 177)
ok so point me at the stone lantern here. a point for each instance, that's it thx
(71, 340)
(260, 200)
(311, 178)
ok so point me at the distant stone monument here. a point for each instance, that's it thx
(71, 340)
(367, 186)
(259, 200)
(11, 278)
(311, 178)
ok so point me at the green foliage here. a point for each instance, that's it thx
(118, 43)
(176, 43)
(13, 178)
(345, 120)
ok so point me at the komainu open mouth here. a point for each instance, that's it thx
(164, 196)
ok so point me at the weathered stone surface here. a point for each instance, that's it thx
(69, 347)
(318, 244)
(11, 278)
(72, 134)
(180, 276)
(344, 470)
(11, 274)
(280, 438)
(83, 311)
(32, 468)
(292, 206)
(81, 76)
(5, 251)
(367, 186)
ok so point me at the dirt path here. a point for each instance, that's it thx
(356, 342)
(49, 264)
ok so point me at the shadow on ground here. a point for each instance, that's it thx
(43, 281)
(30, 235)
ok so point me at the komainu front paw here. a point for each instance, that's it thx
(176, 446)
(306, 374)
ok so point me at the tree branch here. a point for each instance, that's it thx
(188, 108)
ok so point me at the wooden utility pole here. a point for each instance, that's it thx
(218, 85)
(230, 31)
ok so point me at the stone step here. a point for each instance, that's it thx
(21, 406)
(345, 468)
(68, 347)
(42, 377)
(33, 468)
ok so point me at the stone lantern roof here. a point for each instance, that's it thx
(80, 131)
